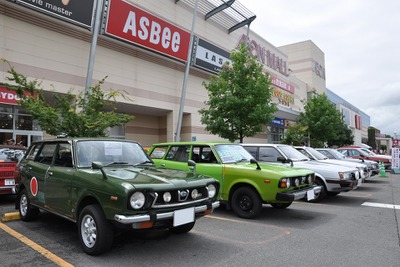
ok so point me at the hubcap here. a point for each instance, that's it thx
(89, 231)
(245, 203)
(23, 205)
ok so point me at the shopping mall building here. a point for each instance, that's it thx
(142, 49)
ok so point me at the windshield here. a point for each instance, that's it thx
(292, 153)
(337, 154)
(317, 155)
(229, 153)
(110, 152)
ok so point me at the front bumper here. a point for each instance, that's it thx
(5, 190)
(342, 185)
(160, 216)
(297, 194)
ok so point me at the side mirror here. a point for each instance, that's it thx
(96, 165)
(192, 166)
(253, 161)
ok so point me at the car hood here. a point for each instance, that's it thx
(318, 166)
(344, 163)
(284, 170)
(156, 176)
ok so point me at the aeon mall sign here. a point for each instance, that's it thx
(265, 56)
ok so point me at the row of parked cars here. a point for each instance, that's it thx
(108, 185)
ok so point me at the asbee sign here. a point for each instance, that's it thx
(79, 12)
(131, 24)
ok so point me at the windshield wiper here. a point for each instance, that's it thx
(241, 160)
(116, 163)
(144, 162)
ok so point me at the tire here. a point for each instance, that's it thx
(246, 202)
(95, 232)
(321, 195)
(182, 229)
(26, 211)
(280, 206)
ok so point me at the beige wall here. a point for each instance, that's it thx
(57, 53)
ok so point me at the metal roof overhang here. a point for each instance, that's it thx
(230, 14)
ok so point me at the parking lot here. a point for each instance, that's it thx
(358, 228)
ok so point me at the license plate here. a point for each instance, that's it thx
(310, 194)
(183, 216)
(9, 182)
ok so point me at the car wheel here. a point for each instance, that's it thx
(95, 232)
(246, 202)
(182, 229)
(26, 210)
(321, 195)
(280, 205)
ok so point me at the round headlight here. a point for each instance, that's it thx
(297, 182)
(212, 190)
(195, 194)
(137, 200)
(167, 197)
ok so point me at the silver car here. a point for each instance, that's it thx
(334, 179)
(373, 166)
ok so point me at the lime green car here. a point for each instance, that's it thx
(244, 183)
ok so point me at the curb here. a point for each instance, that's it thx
(11, 216)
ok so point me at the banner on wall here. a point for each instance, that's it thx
(9, 97)
(208, 56)
(395, 159)
(79, 12)
(131, 24)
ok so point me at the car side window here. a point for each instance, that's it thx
(355, 152)
(33, 152)
(63, 156)
(203, 154)
(252, 150)
(178, 153)
(46, 153)
(269, 154)
(158, 152)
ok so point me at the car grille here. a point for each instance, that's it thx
(179, 197)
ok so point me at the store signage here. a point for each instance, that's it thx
(209, 56)
(319, 70)
(9, 97)
(358, 122)
(283, 98)
(395, 159)
(265, 56)
(278, 122)
(79, 12)
(131, 24)
(282, 84)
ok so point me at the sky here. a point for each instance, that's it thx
(361, 43)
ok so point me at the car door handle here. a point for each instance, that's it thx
(49, 173)
(162, 165)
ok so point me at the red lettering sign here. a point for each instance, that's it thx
(282, 84)
(131, 24)
(10, 97)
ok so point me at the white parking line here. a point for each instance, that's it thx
(381, 205)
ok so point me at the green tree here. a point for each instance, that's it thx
(324, 122)
(69, 114)
(239, 99)
(295, 135)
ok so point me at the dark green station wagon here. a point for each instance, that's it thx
(105, 185)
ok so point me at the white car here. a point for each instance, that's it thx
(313, 154)
(334, 179)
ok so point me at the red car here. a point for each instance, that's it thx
(10, 155)
(363, 153)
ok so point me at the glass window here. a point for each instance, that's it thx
(46, 154)
(252, 150)
(179, 153)
(269, 154)
(203, 154)
(63, 156)
(158, 152)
